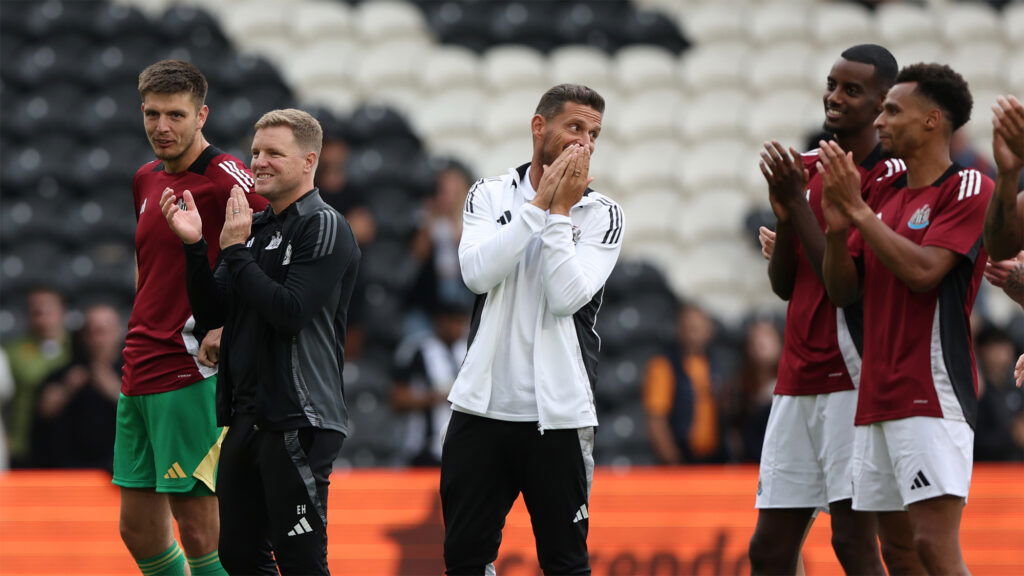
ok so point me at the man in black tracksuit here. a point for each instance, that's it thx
(282, 295)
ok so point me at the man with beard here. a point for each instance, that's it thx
(921, 259)
(167, 440)
(537, 247)
(806, 461)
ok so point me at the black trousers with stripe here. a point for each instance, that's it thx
(486, 464)
(272, 492)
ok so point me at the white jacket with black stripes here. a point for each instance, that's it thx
(540, 279)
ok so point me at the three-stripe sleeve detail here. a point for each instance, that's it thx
(244, 180)
(614, 232)
(970, 184)
(328, 233)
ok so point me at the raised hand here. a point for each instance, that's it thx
(182, 215)
(1008, 275)
(550, 178)
(786, 177)
(841, 184)
(574, 183)
(1008, 134)
(237, 219)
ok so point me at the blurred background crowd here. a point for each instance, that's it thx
(418, 99)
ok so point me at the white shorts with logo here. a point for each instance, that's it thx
(899, 462)
(806, 461)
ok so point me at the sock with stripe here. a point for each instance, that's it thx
(170, 562)
(208, 565)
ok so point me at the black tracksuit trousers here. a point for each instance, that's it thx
(272, 490)
(486, 464)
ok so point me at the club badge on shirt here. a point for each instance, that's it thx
(920, 218)
(287, 255)
(274, 242)
(576, 234)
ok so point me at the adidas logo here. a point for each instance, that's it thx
(581, 514)
(175, 471)
(920, 481)
(301, 527)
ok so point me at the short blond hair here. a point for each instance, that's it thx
(308, 133)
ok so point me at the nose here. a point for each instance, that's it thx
(879, 120)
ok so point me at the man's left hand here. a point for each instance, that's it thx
(209, 350)
(237, 219)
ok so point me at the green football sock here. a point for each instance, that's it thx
(208, 565)
(170, 562)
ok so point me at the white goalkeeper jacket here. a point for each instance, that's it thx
(540, 280)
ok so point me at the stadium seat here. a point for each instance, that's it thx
(446, 68)
(912, 52)
(1013, 25)
(841, 24)
(722, 64)
(651, 213)
(250, 24)
(532, 24)
(982, 63)
(193, 27)
(711, 115)
(453, 112)
(315, 21)
(709, 166)
(509, 113)
(715, 213)
(389, 65)
(963, 22)
(783, 66)
(388, 21)
(649, 164)
(596, 24)
(1015, 76)
(514, 68)
(709, 22)
(641, 68)
(901, 22)
(463, 24)
(775, 22)
(786, 116)
(649, 114)
(581, 65)
(632, 276)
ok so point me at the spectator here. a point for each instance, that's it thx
(683, 395)
(331, 178)
(76, 407)
(435, 246)
(426, 365)
(1000, 431)
(755, 384)
(45, 348)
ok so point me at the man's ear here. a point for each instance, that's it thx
(537, 124)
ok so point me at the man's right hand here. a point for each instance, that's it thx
(186, 224)
(1008, 134)
(786, 176)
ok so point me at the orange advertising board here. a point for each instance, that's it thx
(653, 521)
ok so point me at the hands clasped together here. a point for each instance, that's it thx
(563, 182)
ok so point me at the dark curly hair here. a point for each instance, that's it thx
(943, 86)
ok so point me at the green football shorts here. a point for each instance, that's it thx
(169, 440)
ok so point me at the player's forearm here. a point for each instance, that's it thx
(1004, 233)
(782, 266)
(488, 256)
(839, 272)
(809, 233)
(205, 298)
(915, 265)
